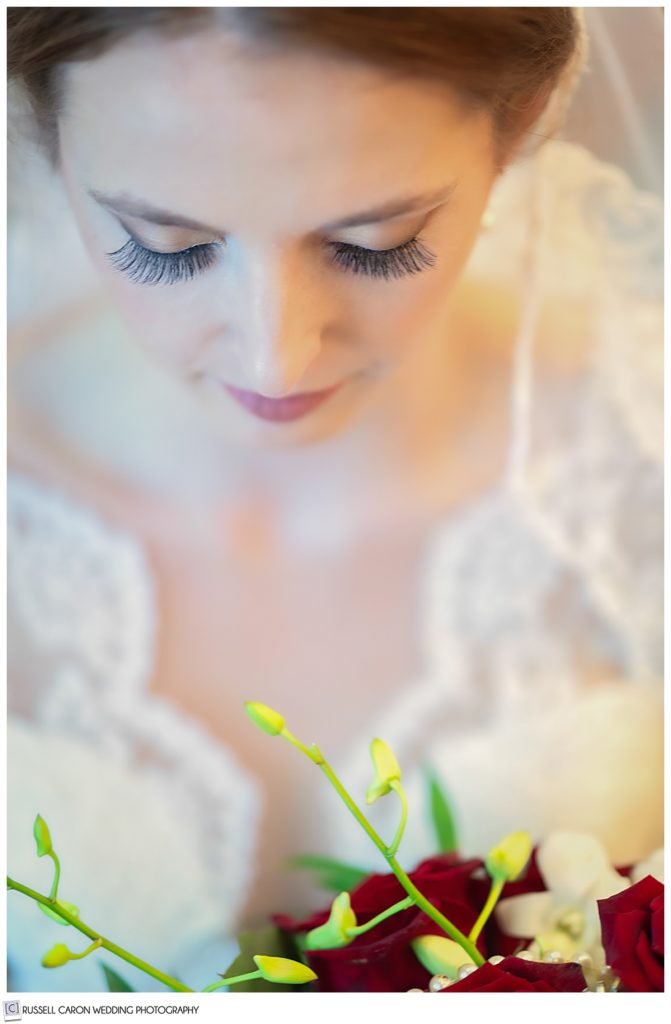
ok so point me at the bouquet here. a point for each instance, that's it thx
(556, 917)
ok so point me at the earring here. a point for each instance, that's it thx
(488, 219)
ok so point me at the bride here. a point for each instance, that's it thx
(349, 403)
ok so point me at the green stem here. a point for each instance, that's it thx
(435, 915)
(57, 875)
(232, 981)
(94, 945)
(347, 800)
(494, 893)
(300, 746)
(411, 889)
(105, 943)
(363, 928)
(398, 788)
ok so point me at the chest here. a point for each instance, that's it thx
(325, 637)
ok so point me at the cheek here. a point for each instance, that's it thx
(165, 320)
(168, 322)
(401, 315)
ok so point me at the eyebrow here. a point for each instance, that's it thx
(122, 202)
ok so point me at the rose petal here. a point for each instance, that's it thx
(650, 965)
(657, 925)
(626, 924)
(489, 978)
(516, 975)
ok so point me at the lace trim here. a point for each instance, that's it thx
(83, 592)
(80, 588)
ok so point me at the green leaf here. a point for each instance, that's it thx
(268, 940)
(70, 907)
(331, 875)
(115, 983)
(441, 814)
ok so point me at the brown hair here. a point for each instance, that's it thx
(502, 59)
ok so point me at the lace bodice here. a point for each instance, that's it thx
(540, 621)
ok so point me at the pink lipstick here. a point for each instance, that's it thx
(280, 410)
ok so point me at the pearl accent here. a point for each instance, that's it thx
(465, 970)
(439, 982)
(553, 956)
(495, 960)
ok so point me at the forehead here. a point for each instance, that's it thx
(180, 121)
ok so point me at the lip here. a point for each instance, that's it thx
(280, 410)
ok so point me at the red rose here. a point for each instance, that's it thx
(515, 975)
(632, 932)
(382, 960)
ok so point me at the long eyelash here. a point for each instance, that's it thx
(145, 266)
(410, 258)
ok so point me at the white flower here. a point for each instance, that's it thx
(652, 865)
(577, 873)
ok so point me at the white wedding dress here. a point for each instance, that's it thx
(557, 567)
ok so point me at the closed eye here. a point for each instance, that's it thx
(147, 266)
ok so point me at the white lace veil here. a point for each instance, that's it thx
(609, 99)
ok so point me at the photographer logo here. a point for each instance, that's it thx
(11, 1009)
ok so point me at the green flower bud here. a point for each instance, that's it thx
(283, 971)
(263, 716)
(387, 770)
(57, 956)
(333, 933)
(42, 837)
(440, 955)
(508, 859)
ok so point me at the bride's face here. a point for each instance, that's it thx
(281, 223)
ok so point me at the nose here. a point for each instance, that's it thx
(279, 327)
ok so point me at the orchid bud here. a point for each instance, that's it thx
(283, 971)
(57, 956)
(387, 770)
(333, 933)
(42, 836)
(263, 716)
(506, 861)
(440, 955)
